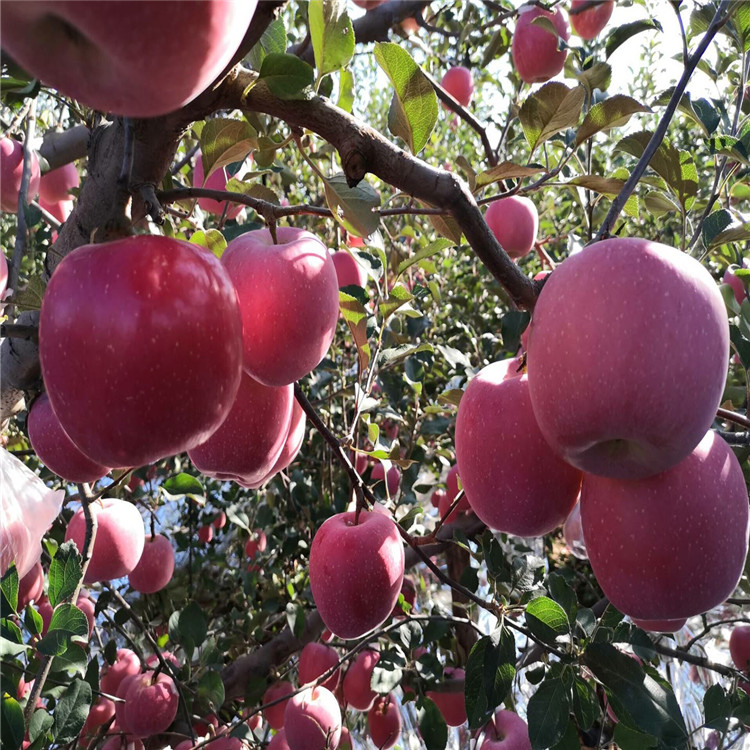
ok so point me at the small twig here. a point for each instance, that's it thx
(699, 661)
(151, 202)
(13, 331)
(732, 416)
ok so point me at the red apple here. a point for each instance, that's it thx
(44, 608)
(506, 731)
(289, 300)
(119, 541)
(220, 521)
(274, 715)
(451, 703)
(348, 271)
(316, 659)
(99, 713)
(278, 741)
(437, 497)
(150, 704)
(445, 502)
(312, 720)
(292, 444)
(616, 303)
(31, 586)
(255, 544)
(738, 287)
(116, 57)
(217, 181)
(159, 380)
(206, 533)
(589, 22)
(573, 534)
(247, 445)
(59, 210)
(458, 82)
(356, 571)
(534, 48)
(126, 664)
(739, 647)
(11, 168)
(55, 449)
(672, 545)
(356, 685)
(512, 479)
(155, 567)
(660, 626)
(3, 274)
(394, 477)
(55, 186)
(352, 240)
(514, 221)
(152, 662)
(384, 721)
(122, 743)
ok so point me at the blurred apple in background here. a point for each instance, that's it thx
(459, 83)
(592, 19)
(11, 172)
(514, 221)
(216, 181)
(384, 721)
(348, 271)
(55, 185)
(356, 684)
(451, 702)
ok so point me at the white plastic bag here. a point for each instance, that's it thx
(27, 509)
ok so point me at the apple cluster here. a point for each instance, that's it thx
(600, 413)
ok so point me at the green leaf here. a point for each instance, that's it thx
(64, 573)
(398, 297)
(211, 690)
(73, 661)
(192, 624)
(714, 224)
(432, 726)
(621, 34)
(659, 203)
(554, 107)
(564, 595)
(701, 112)
(628, 738)
(286, 75)
(346, 91)
(570, 739)
(598, 76)
(12, 728)
(353, 207)
(716, 708)
(272, 41)
(183, 484)
(604, 185)
(546, 619)
(225, 141)
(9, 589)
(490, 671)
(740, 343)
(32, 620)
(426, 252)
(611, 113)
(445, 225)
(547, 712)
(30, 296)
(651, 703)
(356, 317)
(585, 703)
(498, 45)
(253, 189)
(67, 622)
(41, 722)
(730, 146)
(332, 34)
(414, 108)
(71, 711)
(211, 239)
(389, 357)
(505, 171)
(741, 16)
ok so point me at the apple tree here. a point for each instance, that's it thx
(338, 337)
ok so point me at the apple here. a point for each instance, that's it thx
(3, 274)
(248, 443)
(513, 480)
(738, 287)
(55, 449)
(289, 301)
(356, 571)
(292, 444)
(312, 720)
(536, 57)
(122, 743)
(99, 713)
(274, 715)
(11, 168)
(206, 533)
(514, 221)
(31, 586)
(687, 556)
(119, 541)
(220, 521)
(445, 502)
(159, 380)
(55, 186)
(278, 741)
(451, 703)
(506, 730)
(459, 83)
(573, 534)
(59, 210)
(87, 607)
(126, 664)
(216, 181)
(384, 721)
(394, 477)
(589, 22)
(150, 704)
(604, 396)
(316, 659)
(115, 57)
(660, 626)
(155, 567)
(348, 271)
(153, 661)
(353, 240)
(437, 497)
(739, 647)
(255, 544)
(356, 685)
(368, 4)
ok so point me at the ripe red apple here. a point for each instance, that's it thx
(206, 533)
(44, 608)
(292, 444)
(256, 543)
(616, 303)
(119, 541)
(150, 704)
(316, 659)
(59, 210)
(220, 521)
(217, 181)
(126, 664)
(738, 287)
(356, 685)
(55, 186)
(739, 647)
(289, 301)
(99, 713)
(278, 741)
(152, 662)
(11, 170)
(248, 443)
(451, 703)
(55, 449)
(394, 477)
(589, 22)
(115, 57)
(274, 715)
(159, 380)
(312, 720)
(514, 221)
(31, 586)
(356, 571)
(123, 743)
(348, 271)
(506, 731)
(384, 721)
(573, 534)
(352, 240)
(155, 567)
(672, 545)
(445, 502)
(437, 497)
(459, 83)
(513, 480)
(660, 626)
(534, 48)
